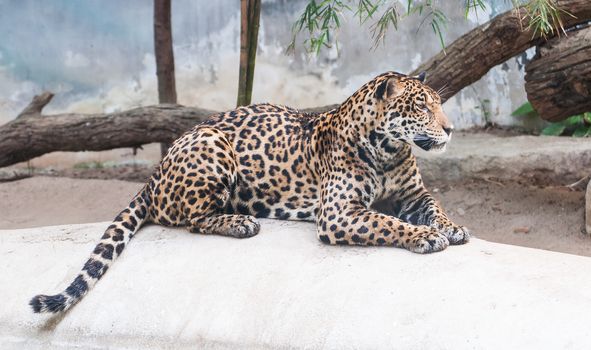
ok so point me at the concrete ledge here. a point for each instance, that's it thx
(559, 159)
(284, 289)
(556, 158)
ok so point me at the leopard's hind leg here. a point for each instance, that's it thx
(209, 181)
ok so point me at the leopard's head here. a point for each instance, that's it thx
(410, 111)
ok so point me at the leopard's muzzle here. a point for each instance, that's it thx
(429, 144)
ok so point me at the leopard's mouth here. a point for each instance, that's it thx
(429, 144)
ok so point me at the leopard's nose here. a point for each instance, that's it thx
(448, 130)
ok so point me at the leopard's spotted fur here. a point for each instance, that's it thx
(271, 161)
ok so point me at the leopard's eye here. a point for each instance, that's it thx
(422, 106)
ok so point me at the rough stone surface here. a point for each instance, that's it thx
(285, 289)
(560, 159)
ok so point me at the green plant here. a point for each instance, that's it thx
(484, 106)
(321, 18)
(543, 16)
(577, 125)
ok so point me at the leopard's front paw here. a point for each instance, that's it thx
(244, 226)
(456, 234)
(429, 241)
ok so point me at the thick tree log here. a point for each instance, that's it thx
(472, 55)
(558, 79)
(34, 135)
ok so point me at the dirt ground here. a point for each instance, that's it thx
(550, 217)
(532, 216)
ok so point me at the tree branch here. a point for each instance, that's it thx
(37, 104)
(490, 44)
(558, 79)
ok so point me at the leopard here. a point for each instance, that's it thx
(276, 162)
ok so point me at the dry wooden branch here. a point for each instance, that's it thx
(37, 104)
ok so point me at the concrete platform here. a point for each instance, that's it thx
(284, 289)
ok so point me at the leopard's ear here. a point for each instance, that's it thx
(421, 77)
(389, 88)
(381, 89)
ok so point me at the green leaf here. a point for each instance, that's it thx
(574, 120)
(378, 29)
(555, 129)
(437, 31)
(523, 110)
(474, 5)
(366, 9)
(587, 117)
(541, 17)
(544, 17)
(583, 131)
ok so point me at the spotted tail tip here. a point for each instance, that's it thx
(48, 303)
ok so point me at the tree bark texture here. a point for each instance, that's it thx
(164, 56)
(471, 56)
(164, 53)
(250, 12)
(558, 79)
(25, 138)
(32, 135)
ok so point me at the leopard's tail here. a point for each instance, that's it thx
(125, 225)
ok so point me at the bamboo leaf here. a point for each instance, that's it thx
(437, 31)
(582, 131)
(555, 129)
(525, 109)
(574, 120)
(543, 18)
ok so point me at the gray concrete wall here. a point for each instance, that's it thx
(97, 56)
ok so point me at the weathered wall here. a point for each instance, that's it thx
(97, 56)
